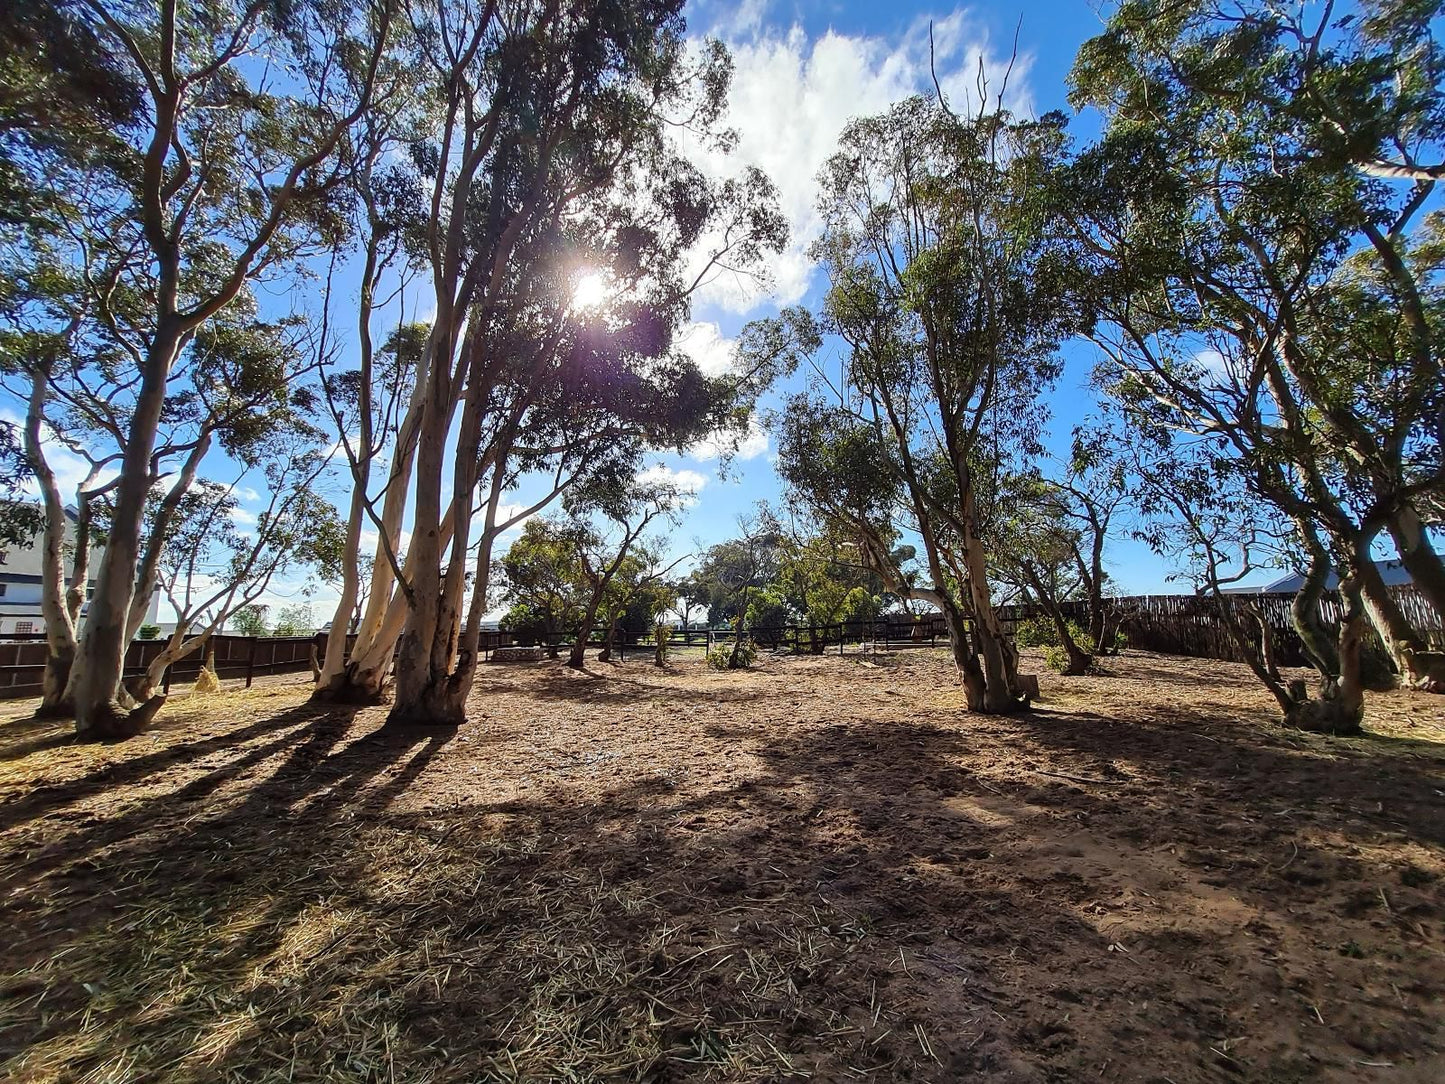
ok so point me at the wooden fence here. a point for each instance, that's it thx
(1192, 625)
(1170, 624)
(22, 658)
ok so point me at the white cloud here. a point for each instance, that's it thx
(753, 444)
(242, 518)
(792, 95)
(689, 482)
(705, 343)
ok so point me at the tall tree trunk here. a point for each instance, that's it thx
(999, 659)
(60, 634)
(415, 678)
(344, 615)
(1305, 607)
(100, 660)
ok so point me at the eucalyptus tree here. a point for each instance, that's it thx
(730, 572)
(1256, 278)
(1056, 520)
(1199, 509)
(1036, 549)
(936, 246)
(540, 579)
(366, 403)
(240, 386)
(737, 570)
(554, 164)
(220, 177)
(612, 555)
(822, 580)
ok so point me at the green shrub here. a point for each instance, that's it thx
(721, 657)
(768, 610)
(149, 632)
(1040, 632)
(1036, 632)
(1056, 658)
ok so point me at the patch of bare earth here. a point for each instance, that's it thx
(819, 869)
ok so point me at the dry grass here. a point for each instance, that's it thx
(697, 876)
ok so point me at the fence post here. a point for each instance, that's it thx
(251, 663)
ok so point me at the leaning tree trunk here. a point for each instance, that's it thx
(60, 625)
(999, 659)
(100, 660)
(1418, 666)
(1427, 570)
(578, 655)
(1080, 661)
(1305, 608)
(1340, 707)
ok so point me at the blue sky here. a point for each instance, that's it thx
(802, 70)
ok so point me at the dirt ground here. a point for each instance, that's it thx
(819, 869)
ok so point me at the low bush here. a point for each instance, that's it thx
(1036, 632)
(1040, 632)
(1056, 658)
(721, 657)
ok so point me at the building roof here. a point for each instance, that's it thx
(1392, 572)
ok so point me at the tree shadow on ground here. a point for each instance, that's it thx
(601, 683)
(884, 897)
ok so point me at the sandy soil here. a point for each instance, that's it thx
(818, 869)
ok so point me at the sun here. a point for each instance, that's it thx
(590, 290)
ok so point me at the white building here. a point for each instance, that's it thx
(20, 584)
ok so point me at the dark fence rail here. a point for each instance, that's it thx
(22, 658)
(1170, 624)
